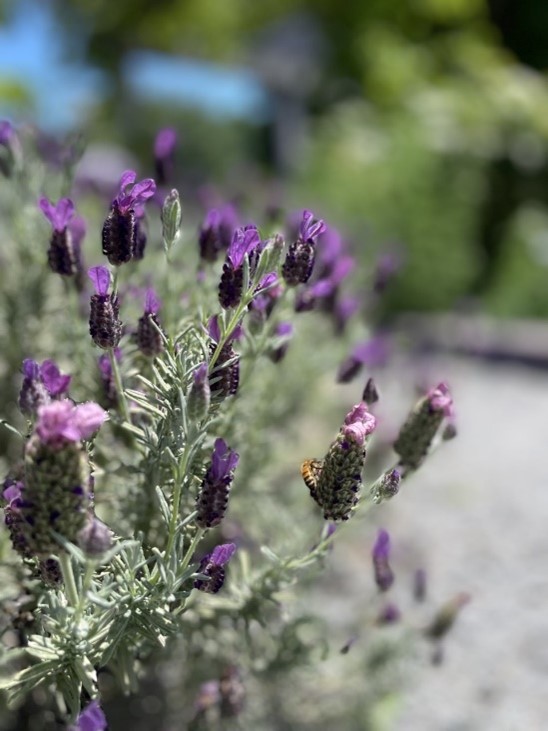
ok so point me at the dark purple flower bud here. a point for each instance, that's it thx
(95, 538)
(421, 426)
(386, 487)
(149, 338)
(213, 566)
(212, 500)
(419, 585)
(91, 718)
(283, 334)
(64, 251)
(119, 230)
(389, 614)
(348, 369)
(200, 394)
(446, 616)
(349, 644)
(164, 151)
(110, 392)
(33, 392)
(56, 383)
(244, 242)
(370, 392)
(299, 262)
(335, 482)
(105, 326)
(384, 576)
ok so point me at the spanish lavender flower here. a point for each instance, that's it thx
(244, 242)
(370, 392)
(164, 150)
(338, 477)
(384, 576)
(14, 520)
(446, 616)
(373, 353)
(212, 500)
(200, 394)
(105, 327)
(420, 428)
(64, 249)
(119, 229)
(299, 262)
(389, 614)
(91, 718)
(149, 338)
(55, 495)
(386, 487)
(283, 334)
(213, 566)
(33, 392)
(225, 376)
(217, 231)
(95, 538)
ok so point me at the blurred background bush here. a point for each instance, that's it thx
(422, 124)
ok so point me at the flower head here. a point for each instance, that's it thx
(244, 241)
(309, 230)
(212, 500)
(59, 214)
(223, 461)
(441, 400)
(212, 566)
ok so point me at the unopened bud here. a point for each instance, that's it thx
(95, 538)
(171, 219)
(370, 393)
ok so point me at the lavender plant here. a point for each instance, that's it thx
(163, 524)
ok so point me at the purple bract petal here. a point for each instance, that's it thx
(222, 554)
(310, 230)
(59, 214)
(213, 328)
(359, 423)
(152, 302)
(91, 718)
(374, 352)
(132, 194)
(100, 276)
(329, 246)
(284, 328)
(77, 228)
(63, 421)
(244, 241)
(441, 399)
(52, 378)
(31, 369)
(200, 374)
(223, 460)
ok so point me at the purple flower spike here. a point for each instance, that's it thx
(62, 421)
(222, 554)
(244, 241)
(359, 424)
(223, 461)
(384, 576)
(152, 302)
(55, 382)
(100, 276)
(132, 194)
(60, 214)
(91, 718)
(165, 143)
(310, 230)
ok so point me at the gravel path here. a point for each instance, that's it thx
(477, 514)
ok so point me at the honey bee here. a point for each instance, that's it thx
(310, 471)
